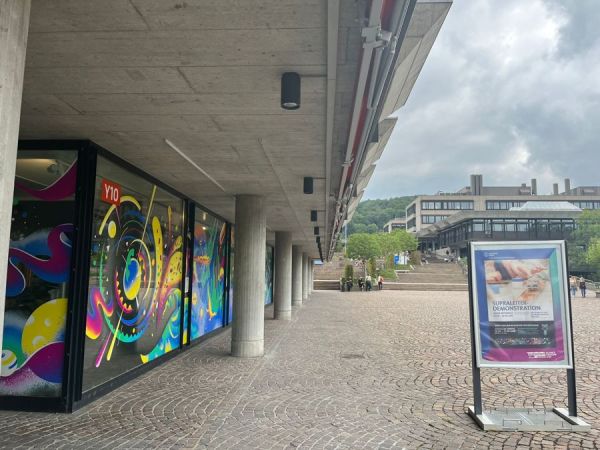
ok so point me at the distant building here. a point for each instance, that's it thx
(399, 223)
(427, 210)
(532, 221)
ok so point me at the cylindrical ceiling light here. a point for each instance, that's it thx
(290, 90)
(308, 185)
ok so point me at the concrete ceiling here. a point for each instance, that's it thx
(204, 75)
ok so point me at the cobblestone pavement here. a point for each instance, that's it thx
(351, 370)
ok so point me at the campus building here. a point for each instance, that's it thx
(398, 223)
(167, 168)
(439, 209)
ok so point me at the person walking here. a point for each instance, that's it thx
(582, 287)
(380, 282)
(369, 282)
(573, 285)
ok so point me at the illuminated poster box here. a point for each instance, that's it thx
(521, 304)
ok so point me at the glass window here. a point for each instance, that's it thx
(41, 239)
(429, 219)
(269, 260)
(208, 274)
(478, 226)
(134, 297)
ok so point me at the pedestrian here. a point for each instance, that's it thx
(369, 282)
(573, 285)
(380, 282)
(361, 284)
(582, 286)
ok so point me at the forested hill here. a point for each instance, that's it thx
(371, 215)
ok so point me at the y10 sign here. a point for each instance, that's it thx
(110, 192)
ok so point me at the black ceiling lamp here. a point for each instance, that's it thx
(313, 215)
(308, 185)
(290, 90)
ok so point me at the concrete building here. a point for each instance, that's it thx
(399, 223)
(177, 165)
(545, 220)
(427, 210)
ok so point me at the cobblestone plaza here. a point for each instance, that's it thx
(384, 369)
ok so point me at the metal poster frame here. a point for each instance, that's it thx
(558, 287)
(524, 419)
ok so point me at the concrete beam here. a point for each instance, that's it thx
(248, 330)
(14, 26)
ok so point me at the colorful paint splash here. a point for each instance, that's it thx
(37, 283)
(269, 276)
(208, 277)
(135, 285)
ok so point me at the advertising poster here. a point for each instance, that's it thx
(521, 305)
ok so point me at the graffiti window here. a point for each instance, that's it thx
(269, 275)
(208, 274)
(134, 297)
(41, 239)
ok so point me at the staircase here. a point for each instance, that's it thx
(436, 276)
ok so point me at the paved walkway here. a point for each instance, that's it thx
(352, 370)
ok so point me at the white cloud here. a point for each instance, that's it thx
(503, 93)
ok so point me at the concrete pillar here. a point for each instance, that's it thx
(248, 330)
(304, 276)
(14, 26)
(283, 275)
(311, 277)
(296, 275)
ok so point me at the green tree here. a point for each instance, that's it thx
(582, 242)
(393, 243)
(593, 254)
(377, 213)
(372, 228)
(362, 246)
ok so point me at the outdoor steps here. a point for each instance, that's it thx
(328, 285)
(448, 286)
(333, 285)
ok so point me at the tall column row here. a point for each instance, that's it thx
(292, 278)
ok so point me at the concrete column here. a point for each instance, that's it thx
(304, 276)
(14, 26)
(311, 277)
(248, 329)
(283, 275)
(296, 275)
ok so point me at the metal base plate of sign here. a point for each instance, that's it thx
(528, 419)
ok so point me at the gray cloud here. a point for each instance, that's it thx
(510, 90)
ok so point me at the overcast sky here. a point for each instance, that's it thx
(510, 90)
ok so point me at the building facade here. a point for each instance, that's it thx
(168, 169)
(427, 210)
(399, 223)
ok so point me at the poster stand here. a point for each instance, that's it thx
(520, 419)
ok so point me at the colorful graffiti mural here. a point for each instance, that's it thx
(208, 275)
(269, 275)
(134, 296)
(38, 276)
